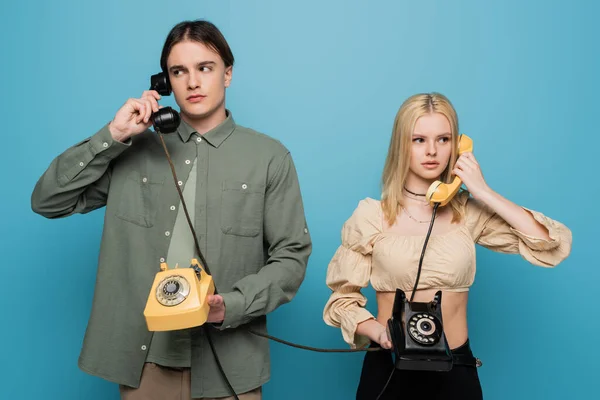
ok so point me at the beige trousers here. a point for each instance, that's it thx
(160, 383)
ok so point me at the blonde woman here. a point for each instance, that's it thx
(383, 239)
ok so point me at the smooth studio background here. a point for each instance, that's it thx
(326, 78)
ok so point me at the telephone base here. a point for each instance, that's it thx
(178, 299)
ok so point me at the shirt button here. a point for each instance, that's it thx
(244, 186)
(143, 347)
(180, 183)
(144, 179)
(187, 161)
(162, 259)
(172, 208)
(81, 164)
(167, 233)
(305, 230)
(104, 144)
(199, 139)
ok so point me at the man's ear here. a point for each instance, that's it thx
(228, 75)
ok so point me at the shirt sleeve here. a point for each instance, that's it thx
(289, 247)
(350, 270)
(491, 231)
(77, 181)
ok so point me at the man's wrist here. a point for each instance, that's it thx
(117, 134)
(234, 309)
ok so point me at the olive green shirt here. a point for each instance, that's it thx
(249, 218)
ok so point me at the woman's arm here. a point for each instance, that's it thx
(467, 168)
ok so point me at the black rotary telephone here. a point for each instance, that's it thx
(416, 330)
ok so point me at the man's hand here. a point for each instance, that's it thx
(134, 116)
(217, 308)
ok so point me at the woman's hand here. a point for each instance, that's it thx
(376, 332)
(384, 339)
(467, 169)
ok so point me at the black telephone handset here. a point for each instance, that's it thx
(165, 120)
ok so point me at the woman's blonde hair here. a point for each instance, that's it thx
(397, 161)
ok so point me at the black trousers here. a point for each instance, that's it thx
(462, 382)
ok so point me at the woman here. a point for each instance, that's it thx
(382, 243)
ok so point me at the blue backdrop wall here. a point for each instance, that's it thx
(326, 78)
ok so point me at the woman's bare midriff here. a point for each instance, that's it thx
(454, 312)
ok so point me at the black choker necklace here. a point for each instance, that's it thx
(413, 193)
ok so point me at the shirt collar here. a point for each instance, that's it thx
(215, 136)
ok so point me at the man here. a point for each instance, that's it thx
(243, 196)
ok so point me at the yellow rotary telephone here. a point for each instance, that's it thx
(178, 298)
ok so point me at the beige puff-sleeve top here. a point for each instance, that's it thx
(390, 260)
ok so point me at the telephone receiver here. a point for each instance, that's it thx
(442, 193)
(178, 298)
(165, 120)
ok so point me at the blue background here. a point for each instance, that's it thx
(326, 78)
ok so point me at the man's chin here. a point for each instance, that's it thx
(197, 113)
(200, 112)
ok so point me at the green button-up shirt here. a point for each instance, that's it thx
(249, 218)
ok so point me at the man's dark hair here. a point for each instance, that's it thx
(198, 31)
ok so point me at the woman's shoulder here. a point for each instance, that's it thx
(463, 197)
(368, 206)
(364, 223)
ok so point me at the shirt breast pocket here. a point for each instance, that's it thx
(139, 199)
(242, 205)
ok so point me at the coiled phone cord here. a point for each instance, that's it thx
(412, 296)
(205, 266)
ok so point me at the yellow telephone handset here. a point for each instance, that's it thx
(178, 299)
(442, 193)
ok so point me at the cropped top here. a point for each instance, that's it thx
(390, 260)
